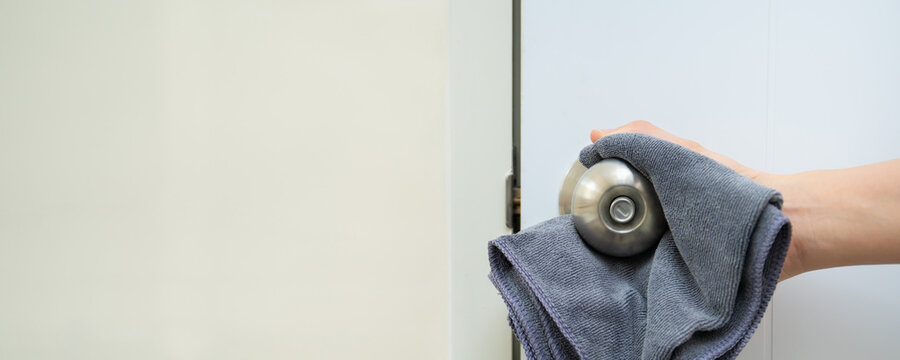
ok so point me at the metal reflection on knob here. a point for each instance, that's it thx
(615, 208)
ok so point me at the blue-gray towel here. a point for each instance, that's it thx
(698, 295)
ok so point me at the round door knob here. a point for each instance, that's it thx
(615, 208)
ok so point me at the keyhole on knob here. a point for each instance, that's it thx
(622, 209)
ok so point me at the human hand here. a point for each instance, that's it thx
(793, 263)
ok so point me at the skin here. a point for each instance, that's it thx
(839, 217)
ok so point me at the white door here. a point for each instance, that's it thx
(778, 86)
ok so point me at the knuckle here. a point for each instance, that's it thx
(641, 125)
(693, 145)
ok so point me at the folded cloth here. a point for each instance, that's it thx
(698, 295)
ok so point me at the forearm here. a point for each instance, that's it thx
(841, 217)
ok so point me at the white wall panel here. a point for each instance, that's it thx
(836, 105)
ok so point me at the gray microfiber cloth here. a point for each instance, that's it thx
(699, 294)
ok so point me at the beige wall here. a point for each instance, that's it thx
(223, 180)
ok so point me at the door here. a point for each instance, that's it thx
(224, 180)
(778, 86)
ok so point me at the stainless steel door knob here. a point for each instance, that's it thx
(615, 208)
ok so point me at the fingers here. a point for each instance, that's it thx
(596, 134)
(647, 128)
(639, 126)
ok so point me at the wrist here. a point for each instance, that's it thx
(799, 205)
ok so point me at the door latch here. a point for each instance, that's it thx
(513, 202)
